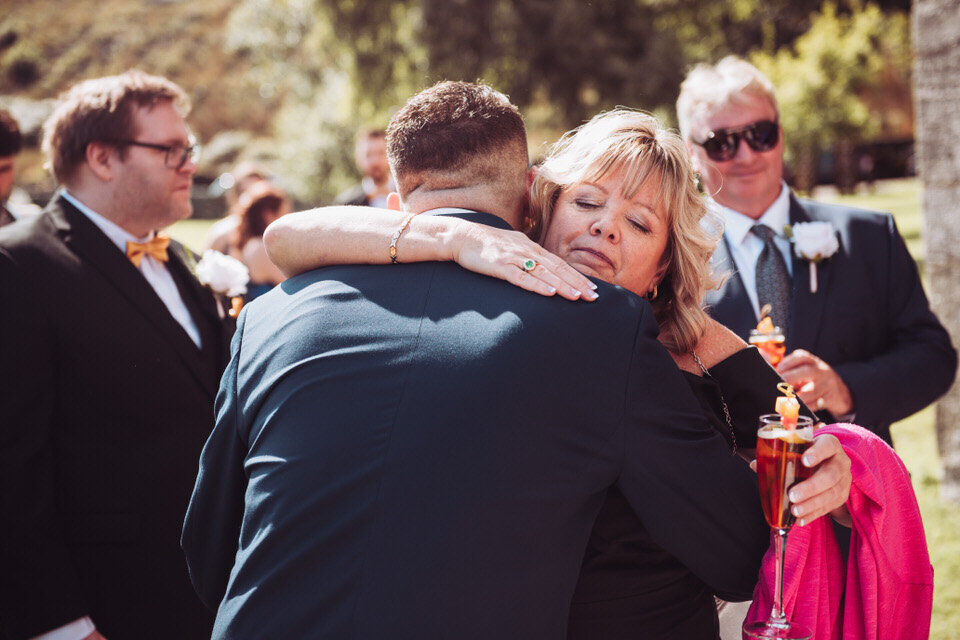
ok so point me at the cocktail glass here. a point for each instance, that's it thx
(779, 467)
(772, 344)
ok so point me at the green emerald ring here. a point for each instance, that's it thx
(529, 264)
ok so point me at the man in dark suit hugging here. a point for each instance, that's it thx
(418, 451)
(861, 341)
(111, 352)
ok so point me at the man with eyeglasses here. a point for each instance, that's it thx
(10, 143)
(112, 353)
(861, 342)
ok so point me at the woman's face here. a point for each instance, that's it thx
(601, 233)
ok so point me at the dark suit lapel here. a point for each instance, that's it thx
(86, 240)
(807, 307)
(203, 308)
(730, 306)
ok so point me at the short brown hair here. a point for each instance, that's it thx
(252, 208)
(10, 139)
(447, 127)
(102, 110)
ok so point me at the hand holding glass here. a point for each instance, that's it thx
(779, 467)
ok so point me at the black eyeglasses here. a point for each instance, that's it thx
(721, 145)
(176, 154)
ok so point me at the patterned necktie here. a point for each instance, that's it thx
(773, 279)
(155, 246)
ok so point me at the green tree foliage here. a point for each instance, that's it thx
(301, 76)
(824, 79)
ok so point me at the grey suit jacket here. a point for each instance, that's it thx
(870, 319)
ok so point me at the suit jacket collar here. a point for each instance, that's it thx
(87, 241)
(473, 216)
(808, 308)
(734, 309)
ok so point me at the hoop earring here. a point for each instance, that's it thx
(652, 295)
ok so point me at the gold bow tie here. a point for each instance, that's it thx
(156, 247)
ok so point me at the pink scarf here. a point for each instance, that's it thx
(886, 590)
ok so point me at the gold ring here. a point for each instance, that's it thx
(529, 264)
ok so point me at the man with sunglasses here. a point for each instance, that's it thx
(862, 344)
(112, 353)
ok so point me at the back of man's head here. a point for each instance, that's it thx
(10, 139)
(458, 135)
(102, 110)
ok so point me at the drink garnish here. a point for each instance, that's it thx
(766, 322)
(787, 406)
(765, 325)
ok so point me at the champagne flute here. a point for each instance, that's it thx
(779, 467)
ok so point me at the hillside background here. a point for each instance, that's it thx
(290, 81)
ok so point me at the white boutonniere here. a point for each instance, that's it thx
(814, 242)
(224, 276)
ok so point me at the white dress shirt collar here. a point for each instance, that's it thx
(445, 210)
(155, 272)
(117, 234)
(745, 247)
(737, 225)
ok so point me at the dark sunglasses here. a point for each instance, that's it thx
(721, 145)
(176, 154)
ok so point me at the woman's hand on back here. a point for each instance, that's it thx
(503, 254)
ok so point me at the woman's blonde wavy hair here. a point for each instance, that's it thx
(638, 147)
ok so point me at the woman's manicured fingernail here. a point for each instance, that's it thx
(591, 295)
(552, 290)
(793, 496)
(575, 292)
(807, 461)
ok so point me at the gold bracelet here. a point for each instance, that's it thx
(396, 236)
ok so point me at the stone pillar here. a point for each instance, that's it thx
(936, 40)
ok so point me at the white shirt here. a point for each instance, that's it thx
(153, 270)
(745, 247)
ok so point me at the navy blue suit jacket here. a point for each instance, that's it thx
(869, 320)
(417, 451)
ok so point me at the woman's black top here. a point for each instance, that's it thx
(629, 587)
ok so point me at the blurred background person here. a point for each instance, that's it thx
(259, 205)
(10, 144)
(221, 234)
(377, 183)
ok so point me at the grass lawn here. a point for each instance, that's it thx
(190, 232)
(915, 438)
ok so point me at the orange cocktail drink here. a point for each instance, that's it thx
(779, 466)
(770, 340)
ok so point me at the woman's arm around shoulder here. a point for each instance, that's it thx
(306, 240)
